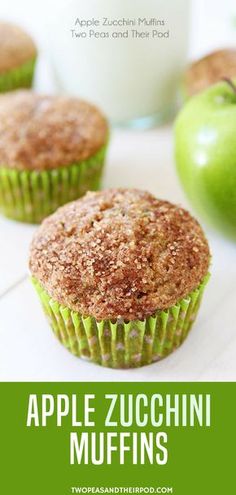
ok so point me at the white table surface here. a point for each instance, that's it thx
(28, 349)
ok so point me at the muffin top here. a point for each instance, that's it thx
(16, 47)
(39, 132)
(209, 70)
(119, 253)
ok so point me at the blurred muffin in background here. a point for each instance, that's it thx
(208, 70)
(18, 54)
(52, 150)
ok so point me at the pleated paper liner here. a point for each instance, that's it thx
(30, 196)
(20, 77)
(119, 344)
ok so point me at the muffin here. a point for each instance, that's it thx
(120, 275)
(17, 58)
(209, 70)
(52, 151)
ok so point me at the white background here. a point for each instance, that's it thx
(28, 350)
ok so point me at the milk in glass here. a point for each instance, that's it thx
(126, 56)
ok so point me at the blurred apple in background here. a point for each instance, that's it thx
(205, 149)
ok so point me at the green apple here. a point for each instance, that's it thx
(205, 150)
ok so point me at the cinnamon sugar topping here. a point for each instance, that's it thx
(119, 253)
(39, 132)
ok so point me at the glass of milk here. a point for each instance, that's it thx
(126, 56)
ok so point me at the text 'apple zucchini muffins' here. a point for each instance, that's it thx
(120, 275)
(52, 150)
(17, 58)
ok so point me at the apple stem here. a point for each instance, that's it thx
(230, 83)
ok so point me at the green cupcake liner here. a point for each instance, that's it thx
(120, 344)
(20, 77)
(30, 196)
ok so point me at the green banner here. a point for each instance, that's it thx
(63, 438)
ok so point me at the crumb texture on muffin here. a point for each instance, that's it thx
(209, 70)
(40, 132)
(17, 47)
(119, 253)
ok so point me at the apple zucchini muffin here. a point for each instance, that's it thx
(52, 150)
(17, 58)
(209, 70)
(120, 275)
